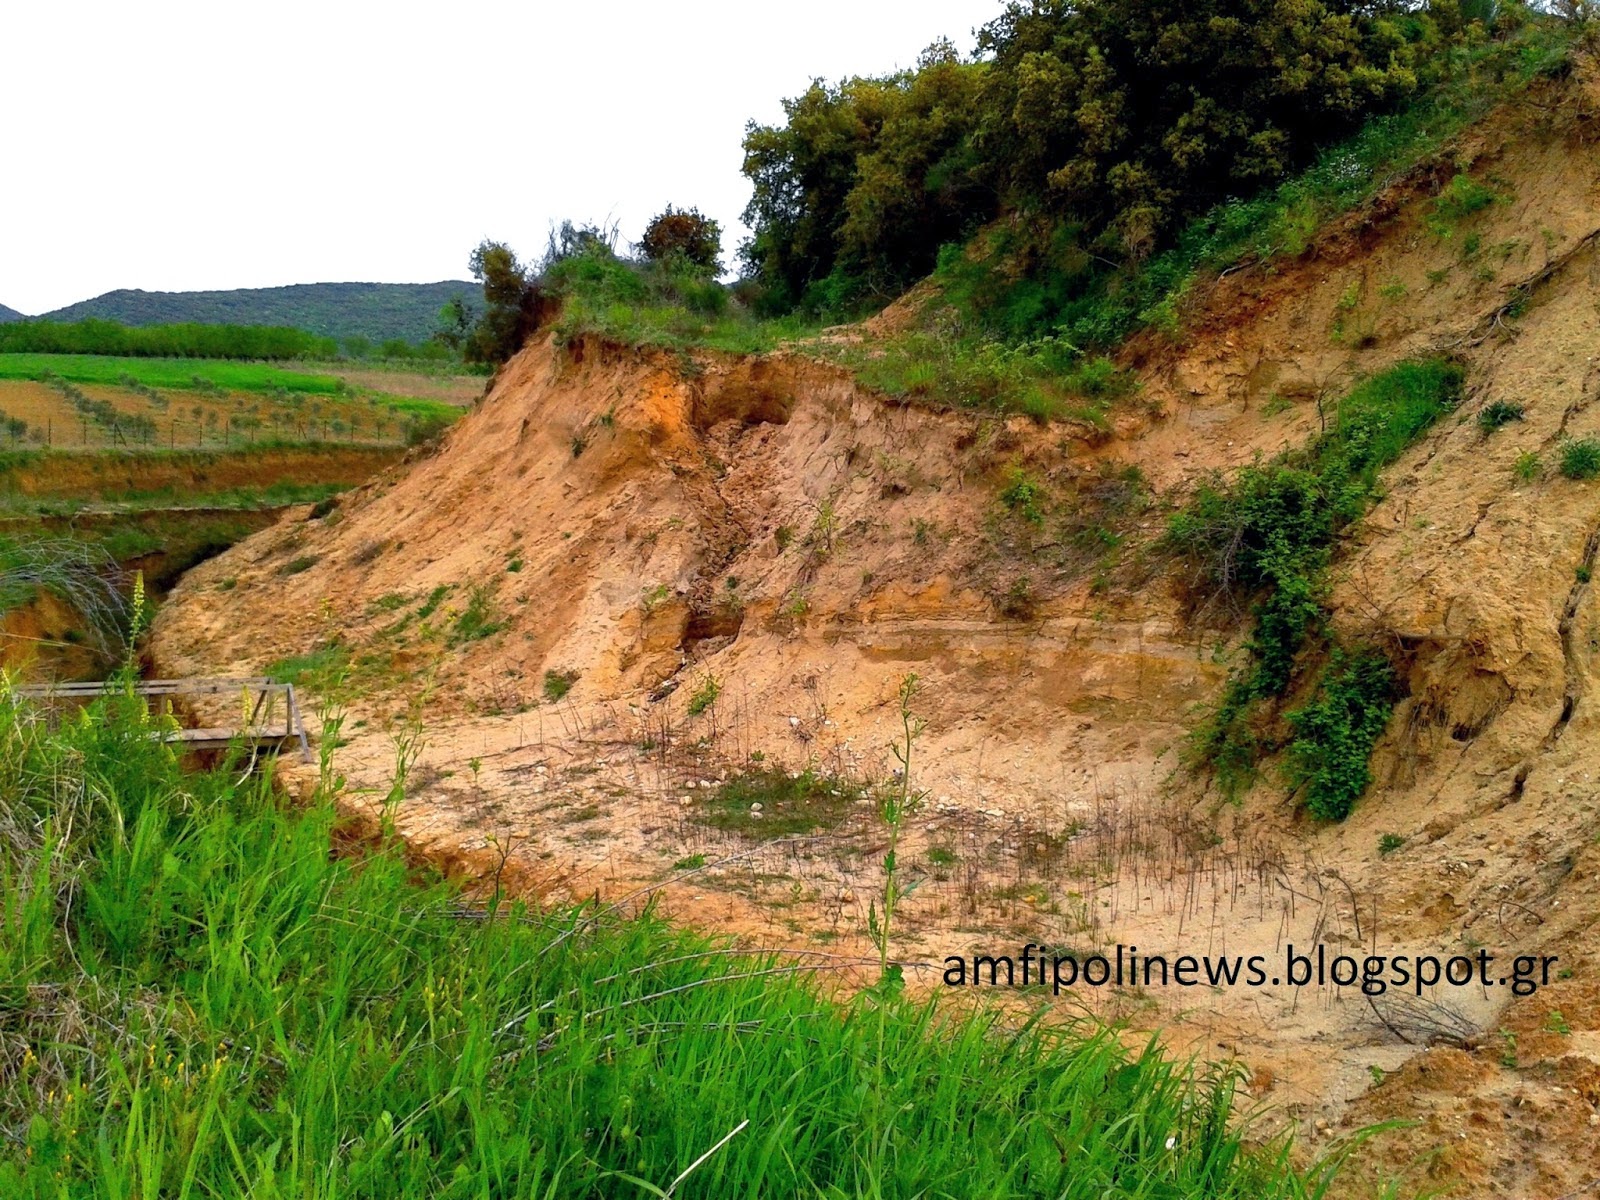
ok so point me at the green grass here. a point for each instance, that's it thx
(232, 1007)
(790, 804)
(417, 407)
(166, 373)
(653, 305)
(1045, 378)
(557, 684)
(1580, 458)
(313, 669)
(476, 621)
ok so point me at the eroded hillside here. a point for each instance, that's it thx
(629, 576)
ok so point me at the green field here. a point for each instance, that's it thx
(173, 373)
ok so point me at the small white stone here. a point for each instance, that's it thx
(755, 807)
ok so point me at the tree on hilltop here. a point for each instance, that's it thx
(685, 235)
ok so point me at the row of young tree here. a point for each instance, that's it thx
(1102, 124)
(189, 340)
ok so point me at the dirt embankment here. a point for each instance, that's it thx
(109, 474)
(764, 532)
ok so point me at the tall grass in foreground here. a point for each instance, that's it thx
(200, 997)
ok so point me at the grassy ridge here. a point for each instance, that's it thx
(176, 373)
(198, 997)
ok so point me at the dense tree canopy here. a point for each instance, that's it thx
(866, 178)
(1115, 119)
(1131, 114)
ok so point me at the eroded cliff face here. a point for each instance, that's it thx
(652, 531)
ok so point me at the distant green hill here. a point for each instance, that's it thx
(10, 314)
(378, 311)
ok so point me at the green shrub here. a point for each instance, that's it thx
(1580, 458)
(1388, 843)
(1022, 496)
(685, 235)
(704, 696)
(1336, 730)
(1269, 535)
(1499, 413)
(1528, 467)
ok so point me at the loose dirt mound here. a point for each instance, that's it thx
(737, 560)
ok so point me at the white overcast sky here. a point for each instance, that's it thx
(174, 146)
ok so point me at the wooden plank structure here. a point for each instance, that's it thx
(262, 730)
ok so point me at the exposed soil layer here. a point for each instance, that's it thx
(106, 474)
(764, 532)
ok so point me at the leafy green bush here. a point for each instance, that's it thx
(684, 235)
(1580, 458)
(1336, 730)
(1269, 535)
(513, 303)
(1462, 197)
(1027, 277)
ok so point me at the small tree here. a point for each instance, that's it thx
(684, 234)
(512, 304)
(455, 324)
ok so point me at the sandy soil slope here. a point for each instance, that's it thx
(643, 525)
